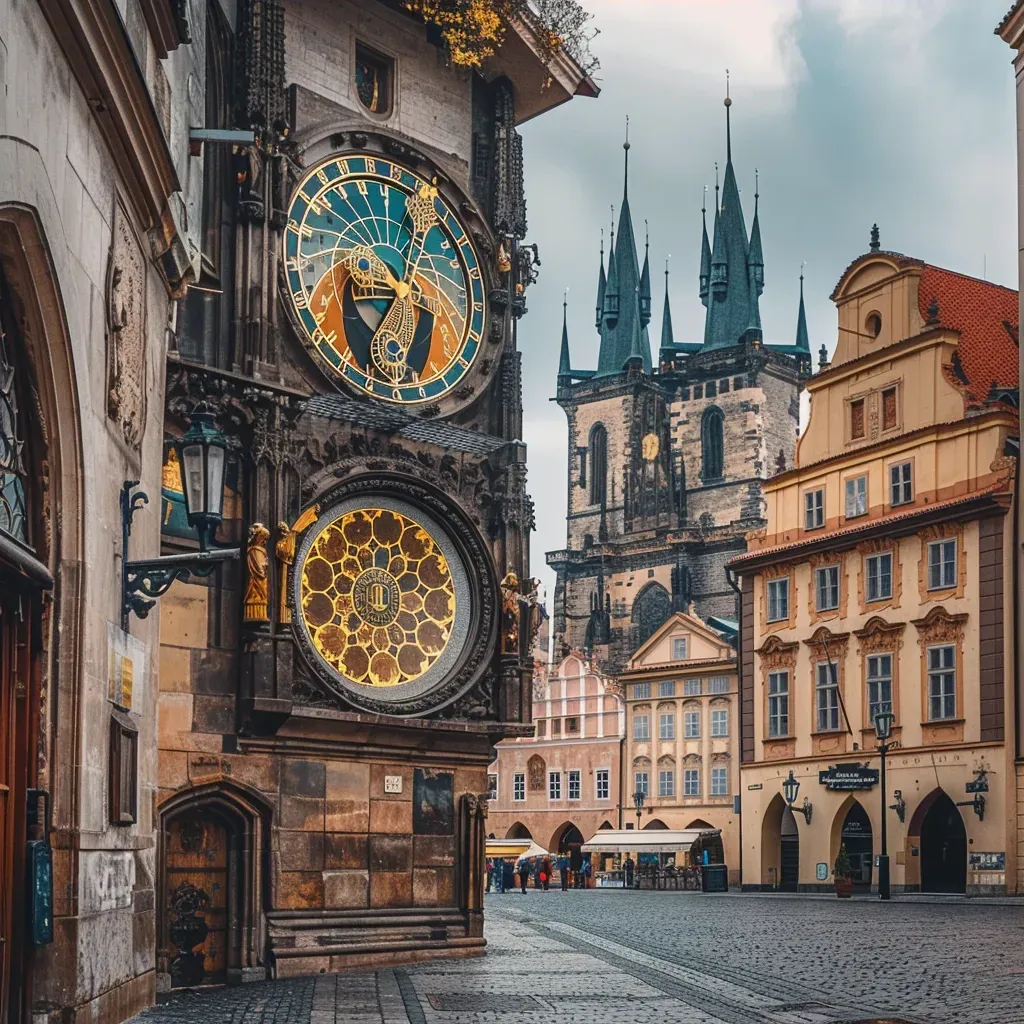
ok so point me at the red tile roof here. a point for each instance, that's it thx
(986, 316)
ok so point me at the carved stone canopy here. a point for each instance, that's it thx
(776, 653)
(939, 627)
(825, 641)
(879, 635)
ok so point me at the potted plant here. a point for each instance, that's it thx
(843, 874)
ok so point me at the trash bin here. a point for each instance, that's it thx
(714, 878)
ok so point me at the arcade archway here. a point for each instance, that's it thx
(856, 835)
(518, 831)
(567, 837)
(943, 848)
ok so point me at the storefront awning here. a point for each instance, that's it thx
(517, 848)
(646, 840)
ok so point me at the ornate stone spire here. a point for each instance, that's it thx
(564, 364)
(645, 281)
(667, 337)
(705, 251)
(802, 339)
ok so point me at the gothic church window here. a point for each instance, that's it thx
(650, 609)
(712, 445)
(13, 476)
(598, 464)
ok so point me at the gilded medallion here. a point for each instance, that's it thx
(649, 447)
(377, 597)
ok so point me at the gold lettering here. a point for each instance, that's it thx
(299, 298)
(371, 166)
(342, 166)
(322, 176)
(361, 185)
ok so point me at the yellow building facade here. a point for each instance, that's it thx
(884, 579)
(682, 732)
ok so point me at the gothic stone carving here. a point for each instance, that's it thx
(257, 591)
(126, 331)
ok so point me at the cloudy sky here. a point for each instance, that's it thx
(853, 111)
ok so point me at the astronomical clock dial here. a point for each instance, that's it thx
(382, 599)
(649, 447)
(383, 279)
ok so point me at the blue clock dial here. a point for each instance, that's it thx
(383, 279)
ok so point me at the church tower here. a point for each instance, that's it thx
(666, 459)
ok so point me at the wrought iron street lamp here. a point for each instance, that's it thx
(202, 455)
(638, 802)
(884, 719)
(790, 790)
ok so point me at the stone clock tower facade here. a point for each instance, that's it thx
(329, 705)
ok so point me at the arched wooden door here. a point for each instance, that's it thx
(943, 848)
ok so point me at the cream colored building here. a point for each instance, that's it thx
(682, 729)
(885, 576)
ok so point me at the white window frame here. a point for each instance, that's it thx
(814, 509)
(641, 783)
(691, 725)
(554, 785)
(826, 588)
(519, 787)
(856, 492)
(691, 687)
(826, 697)
(719, 780)
(667, 688)
(718, 684)
(878, 672)
(666, 783)
(574, 784)
(901, 483)
(642, 733)
(667, 726)
(641, 691)
(602, 781)
(942, 571)
(719, 722)
(778, 599)
(778, 703)
(874, 576)
(679, 648)
(691, 782)
(942, 682)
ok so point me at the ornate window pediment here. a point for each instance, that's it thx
(879, 635)
(939, 627)
(776, 653)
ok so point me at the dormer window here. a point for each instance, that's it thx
(374, 79)
(679, 648)
(873, 325)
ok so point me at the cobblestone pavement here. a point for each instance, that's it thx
(619, 957)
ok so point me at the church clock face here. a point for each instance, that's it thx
(382, 598)
(383, 279)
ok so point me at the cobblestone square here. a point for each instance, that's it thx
(619, 957)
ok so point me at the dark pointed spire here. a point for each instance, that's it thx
(728, 126)
(611, 290)
(636, 338)
(875, 243)
(602, 283)
(705, 251)
(755, 258)
(719, 257)
(564, 364)
(625, 160)
(645, 281)
(802, 340)
(667, 337)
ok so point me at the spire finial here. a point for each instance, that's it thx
(875, 244)
(704, 200)
(803, 263)
(625, 149)
(565, 302)
(728, 126)
(667, 258)
(716, 187)
(647, 235)
(602, 245)
(611, 235)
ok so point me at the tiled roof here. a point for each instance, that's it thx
(986, 317)
(394, 420)
(1006, 17)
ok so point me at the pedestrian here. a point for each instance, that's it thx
(508, 876)
(563, 872)
(545, 872)
(627, 870)
(585, 872)
(524, 874)
(490, 874)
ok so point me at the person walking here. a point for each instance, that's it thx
(563, 872)
(545, 872)
(508, 876)
(628, 870)
(524, 874)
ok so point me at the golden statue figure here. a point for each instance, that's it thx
(510, 614)
(285, 552)
(257, 589)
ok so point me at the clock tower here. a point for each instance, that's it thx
(329, 707)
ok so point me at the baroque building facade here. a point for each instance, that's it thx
(668, 452)
(329, 704)
(883, 582)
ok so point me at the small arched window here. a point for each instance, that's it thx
(711, 444)
(598, 464)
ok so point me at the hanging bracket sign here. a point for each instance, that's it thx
(846, 777)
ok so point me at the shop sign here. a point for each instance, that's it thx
(822, 871)
(977, 786)
(846, 777)
(988, 861)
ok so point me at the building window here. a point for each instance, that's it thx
(691, 687)
(641, 727)
(598, 464)
(640, 783)
(901, 483)
(602, 788)
(691, 724)
(492, 787)
(942, 564)
(711, 444)
(556, 727)
(826, 580)
(691, 782)
(778, 703)
(873, 324)
(738, 384)
(718, 684)
(878, 569)
(814, 509)
(124, 765)
(519, 786)
(720, 722)
(641, 691)
(575, 786)
(541, 727)
(554, 785)
(778, 599)
(827, 697)
(667, 783)
(857, 419)
(698, 391)
(679, 648)
(666, 727)
(667, 688)
(374, 74)
(723, 385)
(879, 685)
(572, 726)
(719, 781)
(856, 496)
(709, 389)
(889, 417)
(942, 682)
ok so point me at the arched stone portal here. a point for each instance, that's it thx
(855, 834)
(518, 831)
(565, 837)
(655, 823)
(943, 848)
